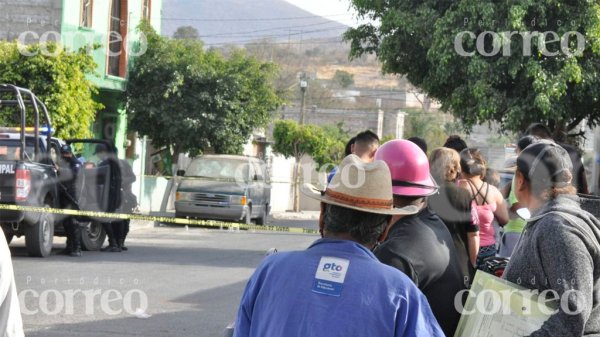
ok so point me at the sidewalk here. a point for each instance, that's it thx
(302, 215)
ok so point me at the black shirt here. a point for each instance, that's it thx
(421, 246)
(453, 205)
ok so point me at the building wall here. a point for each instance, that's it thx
(36, 16)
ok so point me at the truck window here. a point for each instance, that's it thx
(10, 149)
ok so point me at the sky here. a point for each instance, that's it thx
(337, 10)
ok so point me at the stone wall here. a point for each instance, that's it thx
(37, 16)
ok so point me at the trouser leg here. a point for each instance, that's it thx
(124, 232)
(76, 237)
(109, 233)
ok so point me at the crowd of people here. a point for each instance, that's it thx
(398, 250)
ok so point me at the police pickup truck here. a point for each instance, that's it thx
(29, 177)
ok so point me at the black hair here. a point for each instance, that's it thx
(366, 138)
(525, 141)
(364, 227)
(456, 143)
(538, 129)
(546, 166)
(348, 148)
(472, 162)
(421, 143)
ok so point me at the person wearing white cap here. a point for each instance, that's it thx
(337, 287)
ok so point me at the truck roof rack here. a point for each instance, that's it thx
(30, 100)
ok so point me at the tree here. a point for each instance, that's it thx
(464, 55)
(293, 140)
(186, 33)
(343, 78)
(192, 101)
(59, 80)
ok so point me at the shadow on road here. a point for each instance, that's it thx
(207, 315)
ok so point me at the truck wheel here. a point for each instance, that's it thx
(39, 236)
(92, 235)
(262, 220)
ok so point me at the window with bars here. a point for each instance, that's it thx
(86, 13)
(146, 9)
(115, 41)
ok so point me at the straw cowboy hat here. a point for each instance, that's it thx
(361, 186)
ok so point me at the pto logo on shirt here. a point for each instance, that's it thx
(330, 276)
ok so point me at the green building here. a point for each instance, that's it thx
(110, 25)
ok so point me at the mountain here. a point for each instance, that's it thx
(238, 22)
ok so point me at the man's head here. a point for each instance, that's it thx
(365, 145)
(66, 151)
(101, 151)
(421, 143)
(358, 203)
(456, 143)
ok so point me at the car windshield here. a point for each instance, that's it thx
(219, 168)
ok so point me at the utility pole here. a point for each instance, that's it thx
(303, 86)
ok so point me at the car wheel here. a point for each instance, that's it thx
(40, 235)
(92, 235)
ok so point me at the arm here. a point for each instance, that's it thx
(473, 244)
(386, 255)
(501, 212)
(573, 264)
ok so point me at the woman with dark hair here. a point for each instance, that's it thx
(514, 227)
(486, 199)
(558, 253)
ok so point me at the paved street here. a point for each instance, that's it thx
(191, 279)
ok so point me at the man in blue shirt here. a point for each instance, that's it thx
(337, 287)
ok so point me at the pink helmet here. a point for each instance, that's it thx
(409, 167)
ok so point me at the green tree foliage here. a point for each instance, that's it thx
(58, 78)
(293, 140)
(427, 125)
(417, 39)
(343, 78)
(191, 100)
(186, 33)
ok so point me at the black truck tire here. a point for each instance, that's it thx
(40, 235)
(92, 235)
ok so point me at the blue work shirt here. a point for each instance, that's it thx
(288, 295)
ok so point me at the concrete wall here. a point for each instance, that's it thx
(384, 123)
(38, 16)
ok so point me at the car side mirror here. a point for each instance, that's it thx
(180, 173)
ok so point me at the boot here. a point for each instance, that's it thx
(122, 245)
(76, 250)
(112, 247)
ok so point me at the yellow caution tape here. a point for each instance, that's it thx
(163, 219)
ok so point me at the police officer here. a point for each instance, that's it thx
(114, 229)
(69, 170)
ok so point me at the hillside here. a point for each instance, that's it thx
(242, 21)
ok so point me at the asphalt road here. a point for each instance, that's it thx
(188, 281)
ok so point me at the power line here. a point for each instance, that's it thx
(274, 28)
(258, 19)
